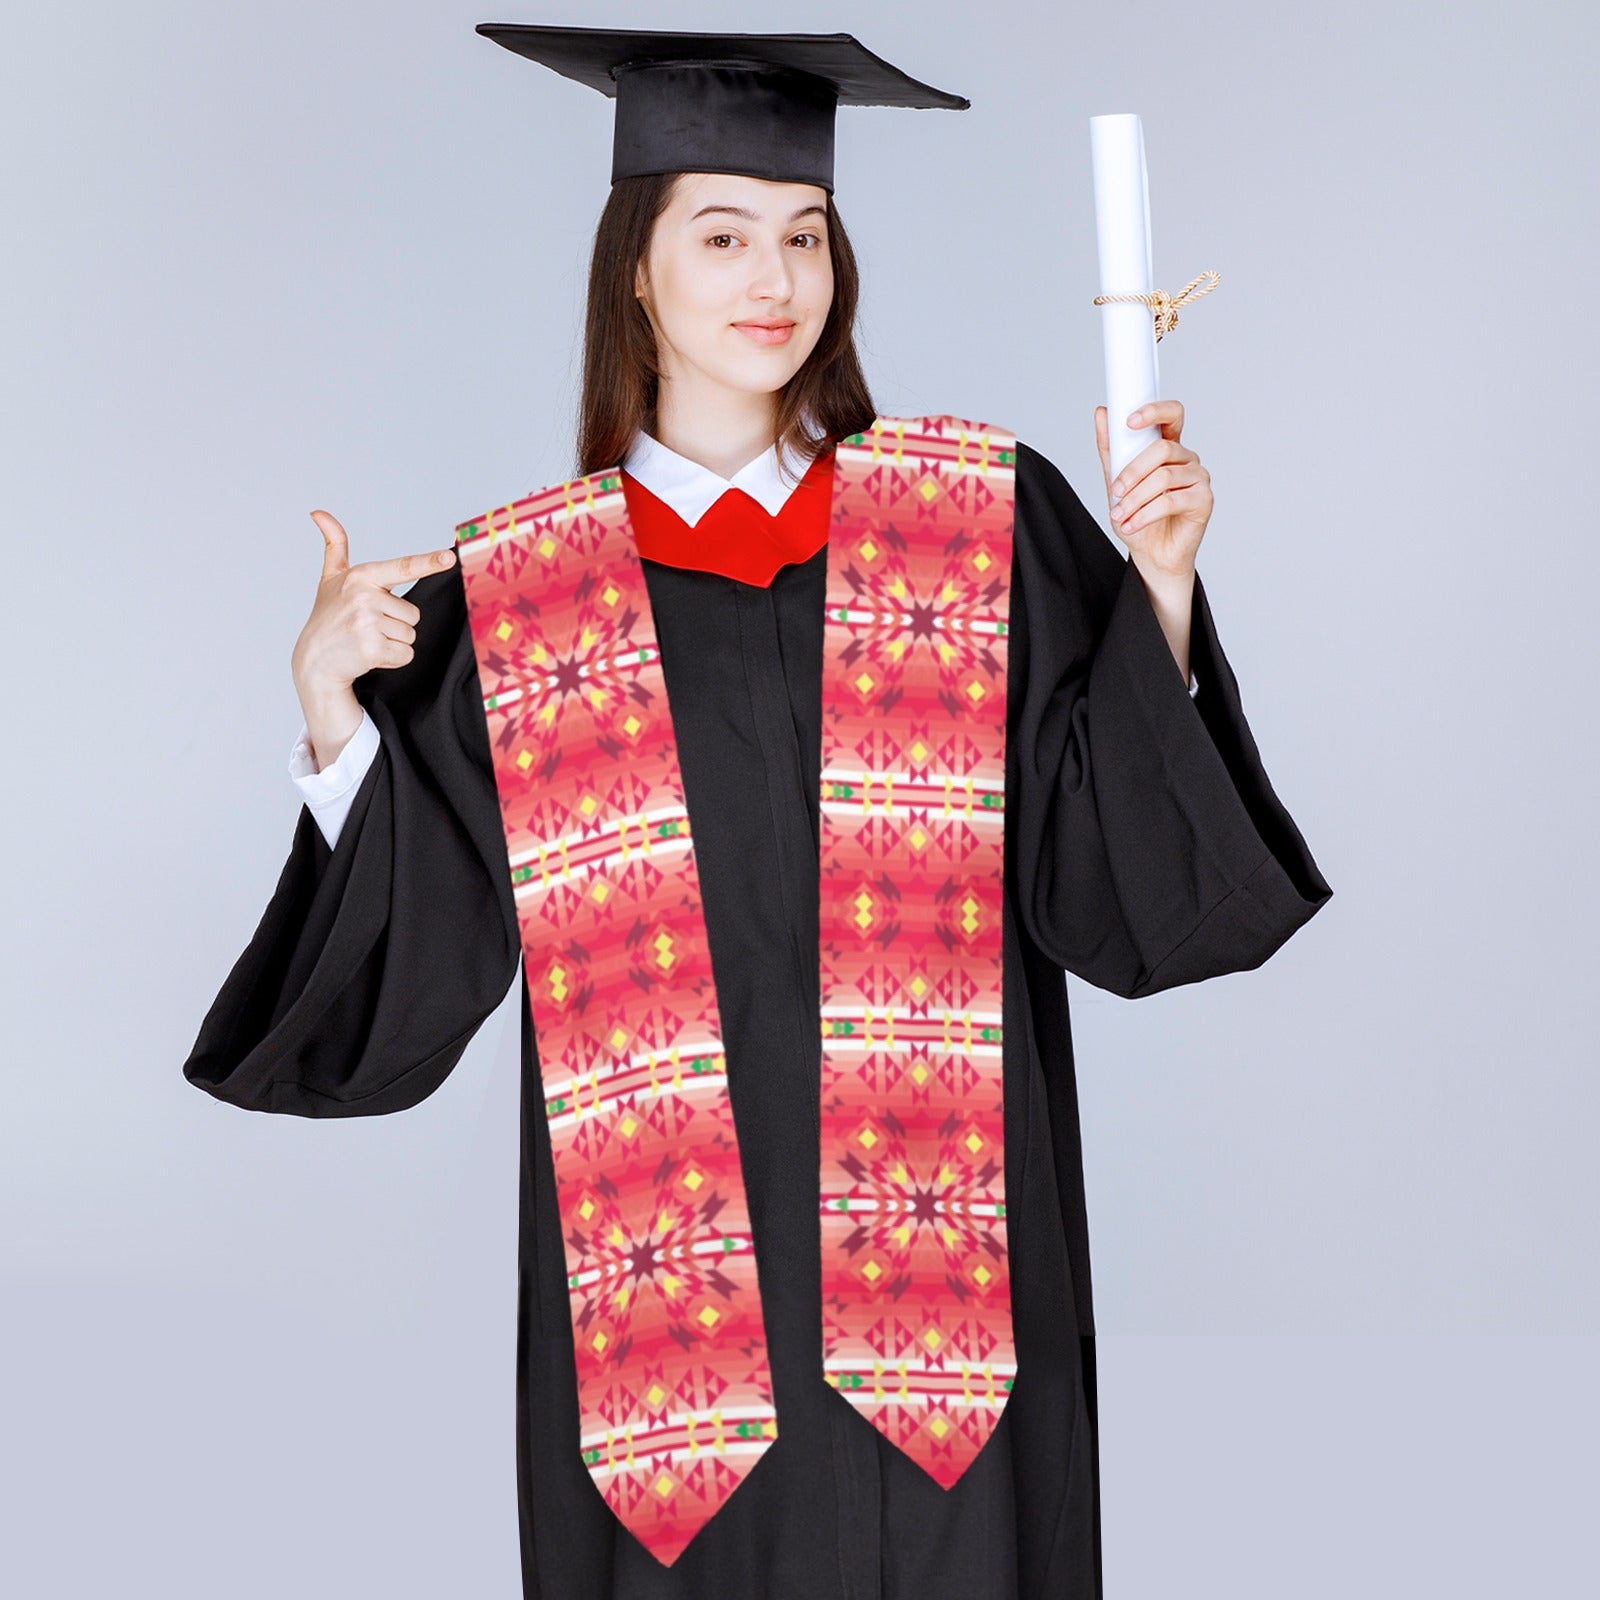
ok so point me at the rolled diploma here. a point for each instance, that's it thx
(1122, 229)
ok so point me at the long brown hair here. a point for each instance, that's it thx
(620, 374)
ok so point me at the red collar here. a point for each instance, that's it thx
(736, 536)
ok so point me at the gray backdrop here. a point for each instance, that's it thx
(260, 260)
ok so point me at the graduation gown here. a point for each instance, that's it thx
(1145, 848)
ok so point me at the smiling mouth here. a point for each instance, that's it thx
(766, 333)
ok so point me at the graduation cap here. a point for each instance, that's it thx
(761, 104)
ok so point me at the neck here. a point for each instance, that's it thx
(722, 429)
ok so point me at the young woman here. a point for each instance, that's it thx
(1144, 848)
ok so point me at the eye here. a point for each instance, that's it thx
(816, 236)
(714, 237)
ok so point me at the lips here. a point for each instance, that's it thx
(766, 332)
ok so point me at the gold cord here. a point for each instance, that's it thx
(1163, 304)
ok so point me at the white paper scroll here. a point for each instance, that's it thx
(1122, 228)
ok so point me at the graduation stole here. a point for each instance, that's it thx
(674, 1387)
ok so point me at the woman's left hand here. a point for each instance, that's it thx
(1163, 494)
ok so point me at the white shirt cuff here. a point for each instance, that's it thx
(330, 792)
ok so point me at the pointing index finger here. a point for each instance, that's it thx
(402, 569)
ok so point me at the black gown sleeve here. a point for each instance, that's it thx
(1151, 850)
(376, 961)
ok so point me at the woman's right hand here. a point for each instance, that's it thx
(356, 624)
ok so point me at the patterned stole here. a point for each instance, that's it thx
(674, 1385)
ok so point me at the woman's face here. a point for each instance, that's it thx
(730, 251)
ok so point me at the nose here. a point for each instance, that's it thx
(771, 276)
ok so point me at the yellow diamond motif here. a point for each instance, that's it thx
(940, 1426)
(708, 1316)
(975, 690)
(628, 1125)
(546, 545)
(869, 550)
(920, 750)
(931, 1339)
(586, 1210)
(983, 1275)
(927, 488)
(918, 837)
(873, 1271)
(919, 986)
(610, 595)
(631, 726)
(920, 1073)
(982, 563)
(524, 759)
(618, 1038)
(588, 805)
(558, 983)
(864, 682)
(599, 1341)
(599, 893)
(655, 1394)
(694, 1180)
(503, 632)
(868, 1138)
(664, 1486)
(974, 1143)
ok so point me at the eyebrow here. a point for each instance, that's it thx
(755, 216)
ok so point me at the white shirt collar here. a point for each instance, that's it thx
(691, 489)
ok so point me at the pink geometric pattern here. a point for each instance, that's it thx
(915, 1276)
(674, 1385)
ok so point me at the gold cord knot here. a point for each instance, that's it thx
(1164, 305)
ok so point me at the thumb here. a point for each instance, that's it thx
(336, 547)
(1102, 439)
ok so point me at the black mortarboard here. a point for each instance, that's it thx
(760, 104)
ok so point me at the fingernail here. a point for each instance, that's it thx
(445, 557)
(1134, 417)
(1116, 500)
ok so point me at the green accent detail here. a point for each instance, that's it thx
(990, 1034)
(1003, 627)
(1008, 457)
(841, 1028)
(610, 480)
(852, 1380)
(842, 1205)
(558, 1104)
(999, 1208)
(727, 1245)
